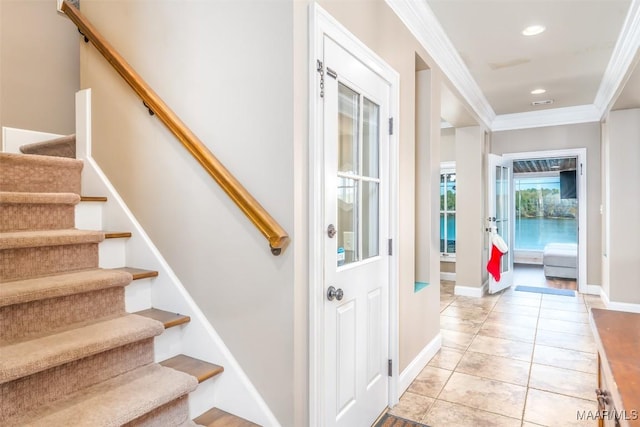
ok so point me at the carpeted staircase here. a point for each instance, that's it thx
(70, 355)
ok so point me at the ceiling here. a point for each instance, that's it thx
(585, 59)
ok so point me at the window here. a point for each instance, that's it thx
(448, 210)
(541, 215)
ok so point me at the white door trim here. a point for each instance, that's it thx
(581, 154)
(320, 24)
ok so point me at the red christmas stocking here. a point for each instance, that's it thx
(498, 248)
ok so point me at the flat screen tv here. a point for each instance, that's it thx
(568, 184)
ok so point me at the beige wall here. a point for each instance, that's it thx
(623, 207)
(39, 67)
(470, 194)
(564, 137)
(448, 145)
(367, 20)
(226, 68)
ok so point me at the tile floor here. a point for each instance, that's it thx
(514, 359)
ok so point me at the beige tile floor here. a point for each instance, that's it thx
(514, 359)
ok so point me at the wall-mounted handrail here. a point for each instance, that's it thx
(275, 234)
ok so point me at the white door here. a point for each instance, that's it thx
(356, 268)
(499, 217)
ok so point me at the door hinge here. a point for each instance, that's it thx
(580, 169)
(390, 246)
(390, 125)
(390, 371)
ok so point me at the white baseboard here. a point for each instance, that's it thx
(594, 290)
(417, 365)
(13, 139)
(619, 306)
(448, 276)
(471, 291)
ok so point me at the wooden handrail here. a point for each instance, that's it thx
(275, 234)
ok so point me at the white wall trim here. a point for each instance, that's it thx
(581, 163)
(13, 138)
(199, 339)
(471, 291)
(619, 68)
(594, 290)
(618, 306)
(421, 21)
(551, 117)
(447, 276)
(425, 27)
(417, 365)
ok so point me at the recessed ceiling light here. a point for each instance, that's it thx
(533, 30)
(538, 91)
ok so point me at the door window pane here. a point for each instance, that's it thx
(370, 138)
(451, 233)
(370, 219)
(541, 215)
(348, 129)
(347, 220)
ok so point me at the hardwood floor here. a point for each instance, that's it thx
(533, 275)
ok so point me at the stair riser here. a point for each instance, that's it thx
(20, 217)
(27, 319)
(32, 174)
(138, 295)
(174, 413)
(32, 262)
(89, 216)
(113, 253)
(37, 390)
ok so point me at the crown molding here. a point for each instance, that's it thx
(420, 20)
(619, 67)
(551, 117)
(423, 24)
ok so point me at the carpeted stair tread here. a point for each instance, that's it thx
(168, 319)
(57, 285)
(218, 418)
(195, 367)
(24, 358)
(116, 401)
(20, 197)
(41, 174)
(64, 146)
(34, 239)
(139, 273)
(36, 211)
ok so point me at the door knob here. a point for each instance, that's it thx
(331, 231)
(333, 293)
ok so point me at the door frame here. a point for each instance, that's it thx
(321, 24)
(581, 178)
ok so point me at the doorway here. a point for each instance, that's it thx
(353, 214)
(549, 211)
